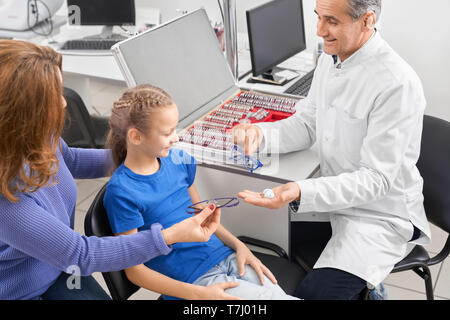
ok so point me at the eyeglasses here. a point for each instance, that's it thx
(218, 202)
(249, 162)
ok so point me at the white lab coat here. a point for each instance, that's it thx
(365, 114)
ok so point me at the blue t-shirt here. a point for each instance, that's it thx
(137, 201)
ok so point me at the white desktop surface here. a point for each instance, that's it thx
(301, 64)
(92, 66)
(86, 64)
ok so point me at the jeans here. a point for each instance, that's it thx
(89, 289)
(249, 284)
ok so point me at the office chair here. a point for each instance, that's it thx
(433, 165)
(82, 130)
(288, 274)
(96, 223)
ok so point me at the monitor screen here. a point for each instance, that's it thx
(102, 12)
(276, 32)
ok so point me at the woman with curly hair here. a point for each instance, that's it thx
(38, 245)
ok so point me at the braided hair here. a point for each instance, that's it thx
(133, 110)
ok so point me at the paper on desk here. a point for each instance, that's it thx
(288, 74)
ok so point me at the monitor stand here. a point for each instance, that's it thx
(269, 77)
(107, 34)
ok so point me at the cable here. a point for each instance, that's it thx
(49, 19)
(221, 11)
(36, 11)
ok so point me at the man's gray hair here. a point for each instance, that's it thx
(357, 8)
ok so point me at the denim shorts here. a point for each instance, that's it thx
(249, 287)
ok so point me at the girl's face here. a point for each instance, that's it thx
(162, 133)
(342, 36)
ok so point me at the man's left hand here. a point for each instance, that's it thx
(283, 195)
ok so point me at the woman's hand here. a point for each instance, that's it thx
(198, 228)
(283, 195)
(244, 256)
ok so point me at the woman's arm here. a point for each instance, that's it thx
(149, 279)
(29, 228)
(86, 163)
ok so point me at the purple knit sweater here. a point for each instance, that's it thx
(37, 240)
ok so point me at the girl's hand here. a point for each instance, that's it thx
(217, 291)
(244, 256)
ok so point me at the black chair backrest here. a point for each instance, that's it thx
(96, 223)
(434, 166)
(78, 130)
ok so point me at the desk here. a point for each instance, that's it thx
(78, 69)
(301, 63)
(274, 226)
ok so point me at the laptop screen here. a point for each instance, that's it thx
(183, 57)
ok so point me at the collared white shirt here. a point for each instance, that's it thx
(365, 114)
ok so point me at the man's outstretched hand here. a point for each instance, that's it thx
(282, 195)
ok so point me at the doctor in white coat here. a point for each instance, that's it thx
(364, 111)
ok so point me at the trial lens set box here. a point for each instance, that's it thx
(184, 58)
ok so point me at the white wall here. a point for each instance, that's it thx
(417, 29)
(420, 32)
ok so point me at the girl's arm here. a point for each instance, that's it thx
(149, 279)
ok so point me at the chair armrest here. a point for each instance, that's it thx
(264, 244)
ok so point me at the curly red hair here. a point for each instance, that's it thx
(31, 116)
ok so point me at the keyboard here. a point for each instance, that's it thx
(302, 85)
(89, 44)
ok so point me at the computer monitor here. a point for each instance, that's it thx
(106, 13)
(276, 32)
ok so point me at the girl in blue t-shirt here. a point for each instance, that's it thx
(153, 183)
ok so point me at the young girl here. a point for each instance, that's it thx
(154, 184)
